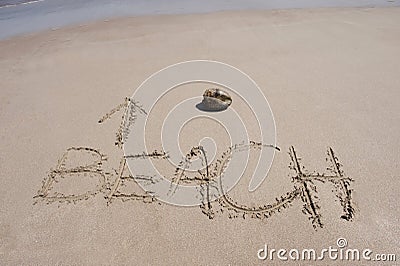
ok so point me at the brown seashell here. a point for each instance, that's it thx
(215, 99)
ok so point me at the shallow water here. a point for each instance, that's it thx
(21, 16)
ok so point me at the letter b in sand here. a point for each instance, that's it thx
(79, 169)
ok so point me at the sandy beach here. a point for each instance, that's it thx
(331, 77)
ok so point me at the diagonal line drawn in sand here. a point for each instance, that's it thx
(210, 178)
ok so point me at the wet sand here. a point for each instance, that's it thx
(25, 17)
(330, 76)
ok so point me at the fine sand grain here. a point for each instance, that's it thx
(331, 77)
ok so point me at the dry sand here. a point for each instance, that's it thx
(331, 77)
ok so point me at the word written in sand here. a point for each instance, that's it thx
(90, 163)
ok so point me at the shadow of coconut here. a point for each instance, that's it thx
(205, 108)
